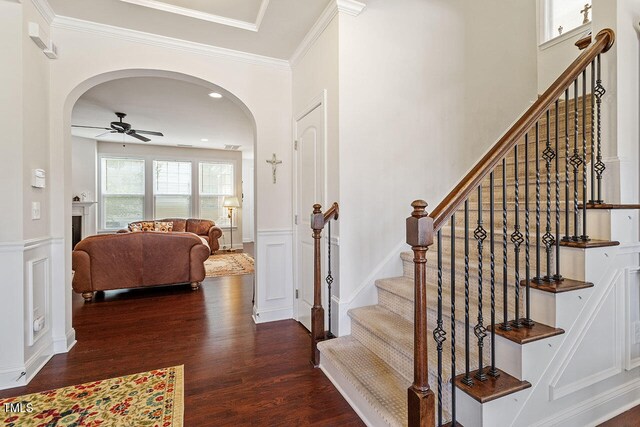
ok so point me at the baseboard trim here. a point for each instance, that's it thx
(66, 343)
(272, 315)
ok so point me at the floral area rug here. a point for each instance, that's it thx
(228, 264)
(153, 398)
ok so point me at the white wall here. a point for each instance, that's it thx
(248, 195)
(425, 89)
(84, 154)
(26, 247)
(194, 155)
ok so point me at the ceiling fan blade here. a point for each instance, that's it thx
(105, 133)
(148, 132)
(89, 127)
(140, 137)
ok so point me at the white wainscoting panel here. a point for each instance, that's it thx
(274, 276)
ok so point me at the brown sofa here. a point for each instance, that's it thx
(134, 260)
(202, 227)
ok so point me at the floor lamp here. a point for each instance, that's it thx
(231, 202)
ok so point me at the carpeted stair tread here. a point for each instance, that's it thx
(401, 286)
(383, 387)
(386, 325)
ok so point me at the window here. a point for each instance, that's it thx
(171, 189)
(216, 181)
(563, 14)
(122, 182)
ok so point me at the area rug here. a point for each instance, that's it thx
(153, 399)
(228, 264)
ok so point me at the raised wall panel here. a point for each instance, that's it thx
(37, 298)
(274, 276)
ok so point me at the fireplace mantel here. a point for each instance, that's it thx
(82, 209)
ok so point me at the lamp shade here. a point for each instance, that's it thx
(231, 202)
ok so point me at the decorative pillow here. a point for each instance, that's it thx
(165, 227)
(147, 225)
(135, 227)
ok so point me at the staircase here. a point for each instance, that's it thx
(502, 248)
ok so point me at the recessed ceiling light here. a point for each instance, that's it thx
(204, 140)
(215, 95)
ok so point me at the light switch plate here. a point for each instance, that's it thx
(35, 210)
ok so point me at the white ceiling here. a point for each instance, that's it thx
(277, 35)
(183, 111)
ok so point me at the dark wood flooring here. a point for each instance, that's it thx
(236, 372)
(631, 418)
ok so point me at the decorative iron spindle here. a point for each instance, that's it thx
(538, 278)
(557, 276)
(600, 166)
(576, 161)
(548, 155)
(567, 230)
(593, 132)
(467, 364)
(505, 284)
(329, 279)
(584, 237)
(453, 319)
(480, 331)
(439, 333)
(527, 242)
(492, 371)
(516, 239)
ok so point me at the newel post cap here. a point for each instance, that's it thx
(419, 225)
(317, 218)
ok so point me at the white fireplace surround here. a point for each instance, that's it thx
(82, 209)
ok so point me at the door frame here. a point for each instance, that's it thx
(319, 101)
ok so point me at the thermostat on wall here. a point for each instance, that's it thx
(38, 178)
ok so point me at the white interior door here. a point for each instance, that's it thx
(309, 190)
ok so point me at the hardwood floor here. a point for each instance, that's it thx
(236, 372)
(631, 418)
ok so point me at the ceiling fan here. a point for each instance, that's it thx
(124, 128)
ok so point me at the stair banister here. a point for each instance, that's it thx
(602, 43)
(318, 221)
(423, 228)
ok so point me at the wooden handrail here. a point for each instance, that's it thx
(583, 42)
(318, 221)
(602, 43)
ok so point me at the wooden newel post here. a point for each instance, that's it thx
(421, 400)
(317, 311)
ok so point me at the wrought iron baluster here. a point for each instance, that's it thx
(453, 319)
(548, 155)
(439, 333)
(527, 236)
(593, 132)
(557, 276)
(600, 166)
(576, 161)
(329, 279)
(538, 277)
(480, 331)
(567, 229)
(505, 284)
(516, 239)
(584, 237)
(467, 364)
(492, 371)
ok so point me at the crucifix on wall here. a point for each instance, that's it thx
(585, 12)
(274, 162)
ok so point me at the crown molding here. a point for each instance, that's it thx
(197, 14)
(314, 33)
(44, 8)
(73, 24)
(350, 7)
